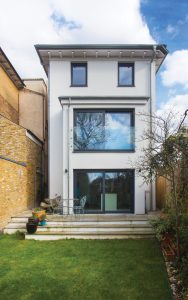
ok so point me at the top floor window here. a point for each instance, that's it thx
(78, 74)
(125, 74)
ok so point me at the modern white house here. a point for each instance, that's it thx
(97, 95)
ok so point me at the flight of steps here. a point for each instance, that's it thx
(107, 226)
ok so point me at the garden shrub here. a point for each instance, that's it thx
(163, 225)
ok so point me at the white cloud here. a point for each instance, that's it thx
(120, 125)
(106, 22)
(178, 104)
(24, 23)
(173, 30)
(176, 69)
(170, 29)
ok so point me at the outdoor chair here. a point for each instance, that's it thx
(51, 204)
(79, 205)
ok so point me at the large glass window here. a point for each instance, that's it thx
(89, 184)
(118, 190)
(125, 74)
(105, 191)
(78, 74)
(103, 130)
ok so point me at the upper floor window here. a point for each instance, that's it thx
(104, 130)
(125, 74)
(78, 74)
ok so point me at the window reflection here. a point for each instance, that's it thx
(105, 191)
(79, 74)
(103, 130)
(125, 74)
(118, 131)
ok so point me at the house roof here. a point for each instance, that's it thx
(101, 51)
(9, 69)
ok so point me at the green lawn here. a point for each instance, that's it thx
(82, 269)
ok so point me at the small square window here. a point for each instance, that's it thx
(125, 74)
(78, 74)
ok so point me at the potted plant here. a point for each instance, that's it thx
(31, 225)
(43, 220)
(38, 212)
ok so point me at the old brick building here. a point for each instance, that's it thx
(23, 140)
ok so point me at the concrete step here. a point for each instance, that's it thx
(92, 230)
(77, 229)
(86, 226)
(19, 219)
(13, 230)
(79, 226)
(86, 218)
(102, 235)
(98, 217)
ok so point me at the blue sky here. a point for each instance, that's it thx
(168, 24)
(167, 21)
(106, 21)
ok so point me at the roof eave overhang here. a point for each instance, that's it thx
(10, 70)
(131, 52)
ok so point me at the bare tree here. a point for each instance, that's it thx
(89, 132)
(167, 156)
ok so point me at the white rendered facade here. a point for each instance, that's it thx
(101, 93)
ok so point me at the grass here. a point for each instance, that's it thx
(82, 269)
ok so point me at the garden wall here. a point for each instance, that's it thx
(162, 191)
(20, 170)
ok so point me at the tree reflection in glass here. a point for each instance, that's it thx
(103, 130)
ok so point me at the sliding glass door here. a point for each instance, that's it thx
(106, 191)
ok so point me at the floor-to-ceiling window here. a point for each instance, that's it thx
(105, 190)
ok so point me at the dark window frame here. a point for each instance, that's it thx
(126, 64)
(74, 64)
(132, 208)
(106, 110)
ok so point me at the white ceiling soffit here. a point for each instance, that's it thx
(148, 53)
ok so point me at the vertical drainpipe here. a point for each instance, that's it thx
(151, 113)
(43, 149)
(68, 146)
(19, 107)
(35, 186)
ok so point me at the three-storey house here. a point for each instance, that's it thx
(97, 96)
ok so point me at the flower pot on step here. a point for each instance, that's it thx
(38, 214)
(33, 220)
(42, 223)
(31, 228)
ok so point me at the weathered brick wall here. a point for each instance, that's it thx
(18, 184)
(8, 111)
(13, 183)
(12, 140)
(34, 161)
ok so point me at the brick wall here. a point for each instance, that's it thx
(13, 183)
(8, 111)
(19, 182)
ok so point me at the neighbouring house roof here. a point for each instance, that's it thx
(101, 51)
(35, 85)
(9, 69)
(34, 79)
